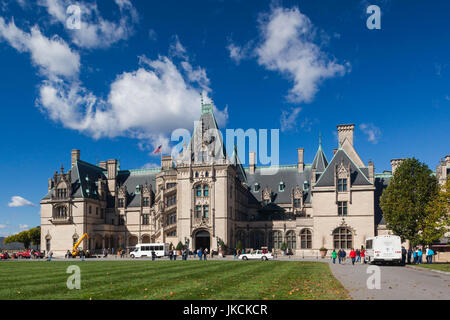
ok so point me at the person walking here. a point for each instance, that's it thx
(409, 255)
(153, 255)
(175, 254)
(363, 256)
(171, 255)
(352, 256)
(200, 254)
(431, 255)
(415, 256)
(340, 255)
(234, 254)
(403, 255)
(82, 254)
(419, 256)
(344, 255)
(205, 254)
(333, 256)
(358, 255)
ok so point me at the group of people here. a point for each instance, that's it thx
(356, 256)
(417, 255)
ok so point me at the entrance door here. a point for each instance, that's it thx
(202, 240)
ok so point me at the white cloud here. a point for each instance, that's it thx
(3, 226)
(23, 226)
(18, 201)
(152, 34)
(53, 56)
(373, 133)
(287, 46)
(150, 166)
(238, 53)
(95, 31)
(288, 120)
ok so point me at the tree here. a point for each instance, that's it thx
(27, 237)
(179, 246)
(437, 221)
(406, 200)
(239, 245)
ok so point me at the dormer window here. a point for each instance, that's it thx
(256, 187)
(297, 203)
(121, 202)
(281, 186)
(342, 185)
(61, 193)
(146, 201)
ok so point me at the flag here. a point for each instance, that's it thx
(157, 150)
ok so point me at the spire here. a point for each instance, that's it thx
(320, 161)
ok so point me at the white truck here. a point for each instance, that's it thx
(256, 255)
(384, 249)
(146, 249)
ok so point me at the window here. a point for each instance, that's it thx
(61, 212)
(256, 187)
(297, 203)
(171, 200)
(61, 193)
(171, 219)
(146, 219)
(343, 238)
(198, 211)
(96, 211)
(205, 211)
(206, 174)
(102, 213)
(275, 239)
(291, 240)
(202, 191)
(281, 186)
(342, 208)
(146, 202)
(172, 233)
(342, 184)
(90, 209)
(47, 245)
(196, 174)
(306, 239)
(205, 191)
(121, 202)
(171, 185)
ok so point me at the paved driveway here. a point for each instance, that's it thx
(396, 283)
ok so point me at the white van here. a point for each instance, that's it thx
(385, 248)
(145, 250)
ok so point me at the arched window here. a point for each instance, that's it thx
(257, 239)
(306, 239)
(275, 239)
(342, 238)
(291, 240)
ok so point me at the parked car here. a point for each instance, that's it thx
(26, 254)
(256, 255)
(4, 256)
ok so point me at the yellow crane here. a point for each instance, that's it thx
(75, 247)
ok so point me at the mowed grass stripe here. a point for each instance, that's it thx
(190, 279)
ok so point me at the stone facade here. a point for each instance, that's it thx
(205, 196)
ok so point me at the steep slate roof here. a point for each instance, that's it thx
(320, 160)
(356, 174)
(133, 178)
(289, 175)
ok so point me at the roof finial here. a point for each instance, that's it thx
(320, 139)
(62, 169)
(201, 96)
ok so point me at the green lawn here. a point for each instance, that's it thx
(436, 266)
(171, 280)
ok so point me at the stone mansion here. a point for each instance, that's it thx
(204, 197)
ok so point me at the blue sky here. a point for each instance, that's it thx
(135, 71)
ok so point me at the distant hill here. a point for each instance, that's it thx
(12, 246)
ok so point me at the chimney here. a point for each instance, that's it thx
(111, 166)
(252, 160)
(102, 164)
(50, 184)
(371, 172)
(345, 131)
(395, 163)
(300, 163)
(75, 156)
(166, 163)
